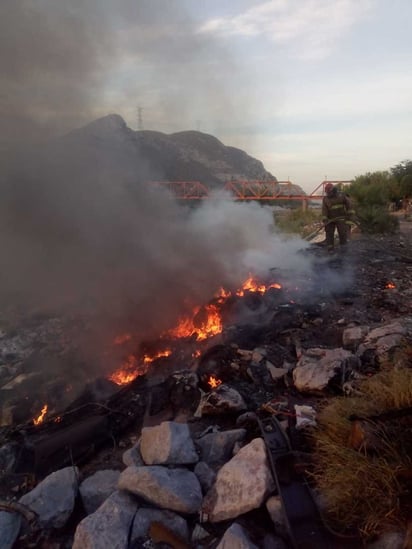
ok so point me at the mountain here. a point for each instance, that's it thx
(290, 189)
(152, 155)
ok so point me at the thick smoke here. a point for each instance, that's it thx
(82, 229)
(79, 230)
(54, 57)
(65, 63)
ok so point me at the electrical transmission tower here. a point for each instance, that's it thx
(140, 118)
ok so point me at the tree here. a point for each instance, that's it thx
(377, 188)
(406, 185)
(402, 169)
(371, 194)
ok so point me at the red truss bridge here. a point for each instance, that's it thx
(245, 190)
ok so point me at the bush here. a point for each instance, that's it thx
(376, 188)
(374, 219)
(366, 490)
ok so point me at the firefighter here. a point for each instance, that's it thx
(336, 213)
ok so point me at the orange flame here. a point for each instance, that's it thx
(210, 326)
(127, 372)
(147, 359)
(390, 285)
(40, 418)
(131, 368)
(204, 322)
(222, 295)
(214, 382)
(251, 285)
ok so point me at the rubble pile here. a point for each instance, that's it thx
(190, 467)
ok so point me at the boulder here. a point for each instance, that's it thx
(95, 489)
(317, 368)
(384, 340)
(236, 537)
(174, 489)
(242, 484)
(352, 337)
(206, 476)
(218, 447)
(109, 525)
(169, 443)
(53, 498)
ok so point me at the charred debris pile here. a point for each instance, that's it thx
(239, 427)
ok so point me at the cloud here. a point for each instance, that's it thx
(310, 29)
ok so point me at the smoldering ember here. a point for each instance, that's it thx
(274, 412)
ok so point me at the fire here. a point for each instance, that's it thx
(127, 372)
(214, 382)
(390, 285)
(131, 368)
(222, 295)
(40, 418)
(251, 285)
(147, 359)
(211, 324)
(202, 323)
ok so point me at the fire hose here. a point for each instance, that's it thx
(322, 227)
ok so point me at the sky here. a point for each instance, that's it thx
(314, 89)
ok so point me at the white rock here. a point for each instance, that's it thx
(352, 337)
(168, 443)
(276, 373)
(317, 367)
(242, 484)
(236, 537)
(305, 416)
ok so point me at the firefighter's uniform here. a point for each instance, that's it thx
(336, 213)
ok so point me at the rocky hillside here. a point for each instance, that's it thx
(188, 155)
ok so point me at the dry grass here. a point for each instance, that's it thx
(363, 490)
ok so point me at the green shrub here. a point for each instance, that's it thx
(375, 219)
(375, 188)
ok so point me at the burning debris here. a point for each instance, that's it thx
(214, 381)
(275, 355)
(40, 418)
(205, 322)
